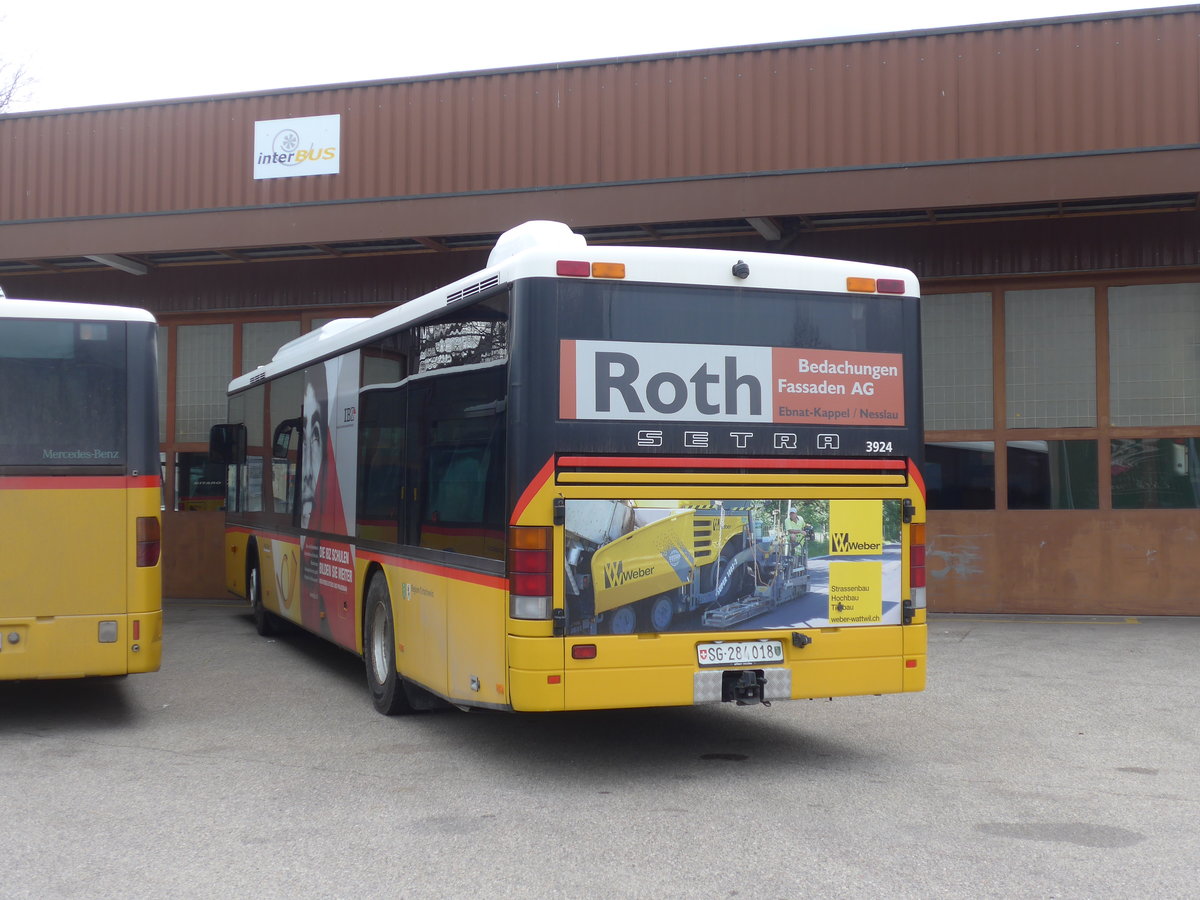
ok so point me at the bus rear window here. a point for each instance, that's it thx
(62, 393)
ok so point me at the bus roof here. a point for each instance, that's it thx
(536, 249)
(11, 308)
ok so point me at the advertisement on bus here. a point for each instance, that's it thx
(327, 498)
(682, 565)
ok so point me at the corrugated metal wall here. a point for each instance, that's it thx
(1154, 241)
(1061, 88)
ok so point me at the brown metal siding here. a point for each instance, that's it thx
(1168, 240)
(1065, 562)
(1061, 88)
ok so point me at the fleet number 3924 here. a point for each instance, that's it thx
(879, 446)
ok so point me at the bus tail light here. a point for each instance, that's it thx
(149, 541)
(530, 572)
(581, 268)
(916, 566)
(575, 268)
(875, 286)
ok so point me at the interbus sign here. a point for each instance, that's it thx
(621, 380)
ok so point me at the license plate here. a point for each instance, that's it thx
(739, 653)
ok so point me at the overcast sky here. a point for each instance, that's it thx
(92, 52)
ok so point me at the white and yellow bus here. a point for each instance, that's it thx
(80, 491)
(568, 482)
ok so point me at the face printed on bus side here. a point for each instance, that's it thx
(313, 454)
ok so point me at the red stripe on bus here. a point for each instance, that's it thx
(464, 531)
(478, 578)
(914, 475)
(531, 490)
(638, 462)
(77, 482)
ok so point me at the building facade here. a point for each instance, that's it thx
(1040, 177)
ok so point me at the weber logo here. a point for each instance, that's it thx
(841, 542)
(615, 574)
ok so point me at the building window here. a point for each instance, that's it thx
(261, 340)
(1050, 358)
(199, 483)
(956, 353)
(961, 475)
(1155, 473)
(1154, 354)
(1053, 475)
(202, 376)
(163, 363)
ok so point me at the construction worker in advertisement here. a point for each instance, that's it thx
(794, 528)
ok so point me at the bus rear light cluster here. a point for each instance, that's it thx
(149, 541)
(875, 285)
(578, 268)
(530, 572)
(916, 566)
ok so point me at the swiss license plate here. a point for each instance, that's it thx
(739, 653)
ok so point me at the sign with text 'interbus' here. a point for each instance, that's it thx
(287, 148)
(623, 380)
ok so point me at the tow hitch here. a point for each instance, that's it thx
(744, 687)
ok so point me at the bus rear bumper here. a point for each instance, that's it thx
(867, 662)
(80, 646)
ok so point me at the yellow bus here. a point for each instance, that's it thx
(80, 491)
(596, 477)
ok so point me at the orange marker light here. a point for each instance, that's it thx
(608, 270)
(861, 285)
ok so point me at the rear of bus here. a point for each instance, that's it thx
(717, 494)
(80, 491)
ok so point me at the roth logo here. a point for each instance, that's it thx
(615, 574)
(658, 382)
(619, 378)
(841, 542)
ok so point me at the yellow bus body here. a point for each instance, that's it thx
(70, 580)
(455, 637)
(647, 669)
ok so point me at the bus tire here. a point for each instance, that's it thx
(379, 651)
(264, 620)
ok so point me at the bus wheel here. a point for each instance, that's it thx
(622, 620)
(379, 652)
(264, 621)
(660, 611)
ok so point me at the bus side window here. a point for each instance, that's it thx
(457, 434)
(285, 458)
(285, 405)
(382, 403)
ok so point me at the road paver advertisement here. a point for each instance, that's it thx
(688, 565)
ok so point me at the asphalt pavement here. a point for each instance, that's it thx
(1049, 757)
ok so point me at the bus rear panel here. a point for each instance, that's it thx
(80, 492)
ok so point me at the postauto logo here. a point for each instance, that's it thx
(286, 148)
